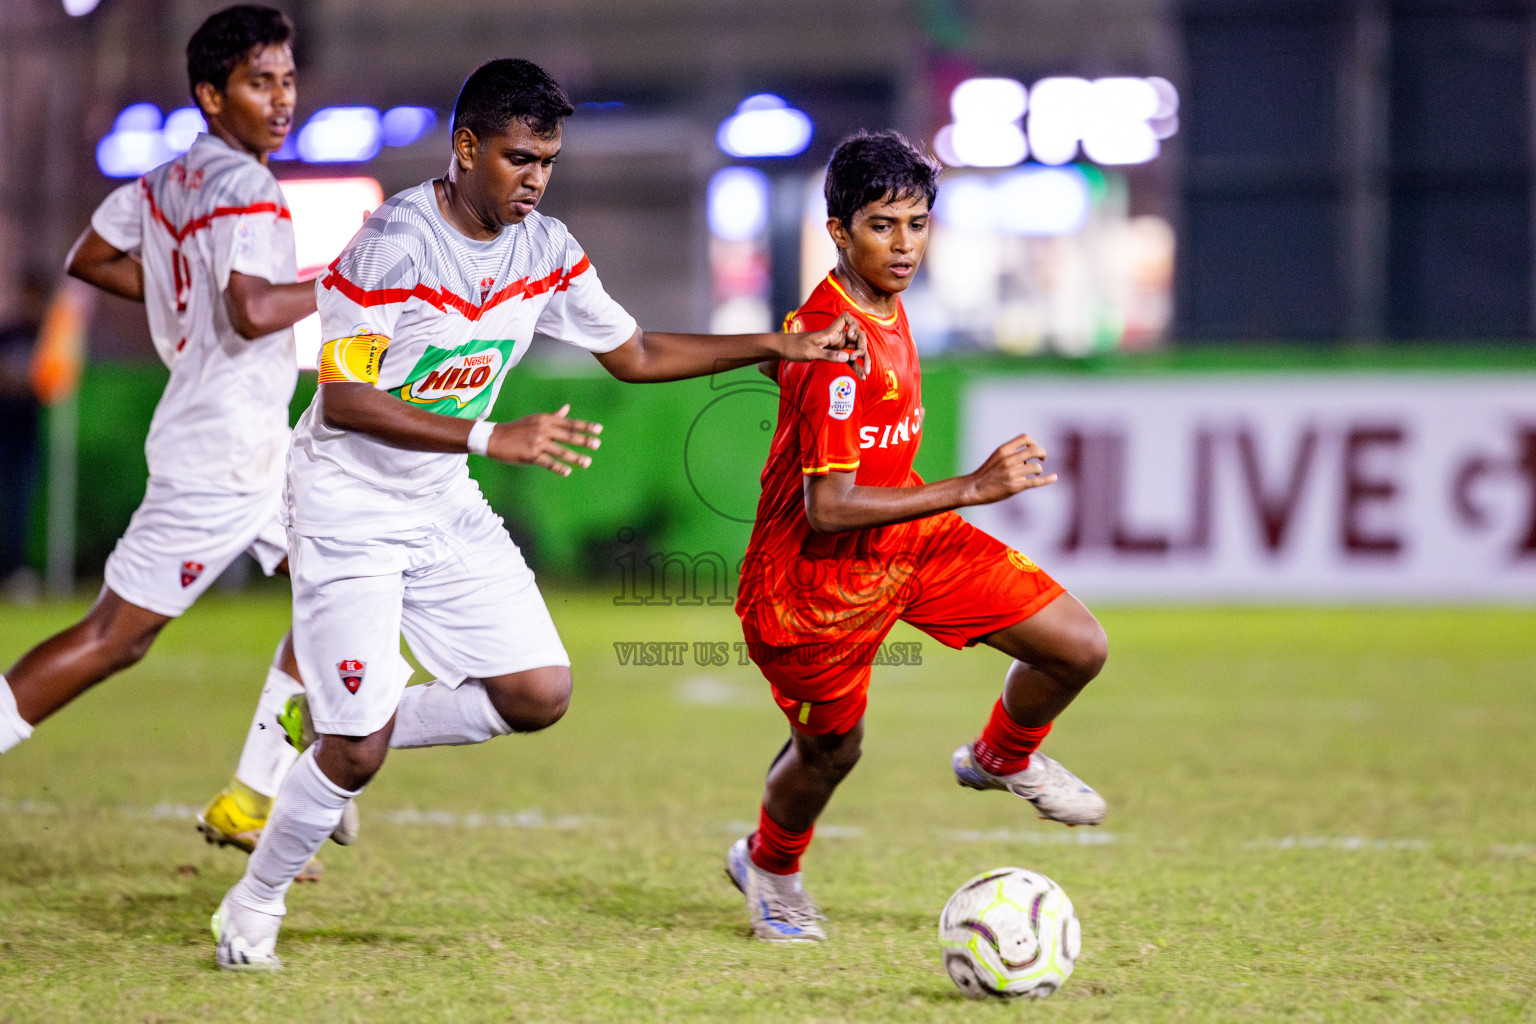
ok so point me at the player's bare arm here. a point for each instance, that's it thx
(543, 439)
(834, 503)
(257, 307)
(655, 356)
(96, 261)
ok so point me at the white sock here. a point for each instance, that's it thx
(307, 810)
(13, 728)
(267, 754)
(438, 715)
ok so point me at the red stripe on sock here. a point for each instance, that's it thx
(1005, 745)
(776, 849)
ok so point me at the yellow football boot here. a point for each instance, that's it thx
(236, 817)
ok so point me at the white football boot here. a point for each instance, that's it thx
(777, 906)
(1056, 793)
(246, 938)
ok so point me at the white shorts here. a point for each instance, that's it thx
(180, 540)
(458, 590)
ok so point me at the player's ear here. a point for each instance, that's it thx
(209, 99)
(465, 148)
(839, 232)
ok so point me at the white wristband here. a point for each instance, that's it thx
(480, 436)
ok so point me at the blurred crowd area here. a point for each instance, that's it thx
(1122, 175)
(1125, 173)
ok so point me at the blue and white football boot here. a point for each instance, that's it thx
(1056, 793)
(777, 906)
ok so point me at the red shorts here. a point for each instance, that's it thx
(959, 586)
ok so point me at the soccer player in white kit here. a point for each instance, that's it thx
(424, 313)
(206, 243)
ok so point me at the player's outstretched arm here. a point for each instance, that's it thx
(257, 307)
(656, 356)
(834, 503)
(537, 440)
(95, 261)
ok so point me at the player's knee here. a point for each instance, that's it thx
(1088, 652)
(352, 762)
(833, 756)
(533, 700)
(121, 648)
(843, 762)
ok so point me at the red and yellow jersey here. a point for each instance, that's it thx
(830, 421)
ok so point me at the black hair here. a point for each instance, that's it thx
(500, 91)
(880, 167)
(228, 37)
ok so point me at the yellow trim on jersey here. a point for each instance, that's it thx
(831, 467)
(805, 712)
(887, 321)
(356, 358)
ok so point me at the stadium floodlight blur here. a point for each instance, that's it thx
(738, 203)
(401, 126)
(336, 135)
(182, 127)
(1033, 201)
(764, 125)
(326, 213)
(141, 139)
(738, 211)
(986, 130)
(1118, 120)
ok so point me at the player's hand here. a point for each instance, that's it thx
(841, 342)
(541, 440)
(1016, 466)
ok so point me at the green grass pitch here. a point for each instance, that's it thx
(1316, 815)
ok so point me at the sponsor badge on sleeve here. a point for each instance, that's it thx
(842, 391)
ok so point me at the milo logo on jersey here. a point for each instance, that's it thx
(457, 382)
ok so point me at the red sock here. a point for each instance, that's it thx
(775, 848)
(1005, 745)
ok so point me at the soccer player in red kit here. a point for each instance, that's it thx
(849, 539)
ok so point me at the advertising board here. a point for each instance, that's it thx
(1382, 487)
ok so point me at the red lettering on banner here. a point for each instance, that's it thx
(1527, 464)
(1362, 491)
(1201, 494)
(1094, 466)
(1476, 468)
(1276, 509)
(1086, 522)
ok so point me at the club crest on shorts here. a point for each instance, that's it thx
(190, 571)
(1021, 561)
(351, 672)
(841, 393)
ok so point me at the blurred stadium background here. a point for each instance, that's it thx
(1260, 272)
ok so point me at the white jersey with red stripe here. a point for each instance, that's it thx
(437, 319)
(222, 422)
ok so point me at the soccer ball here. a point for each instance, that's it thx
(1009, 932)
